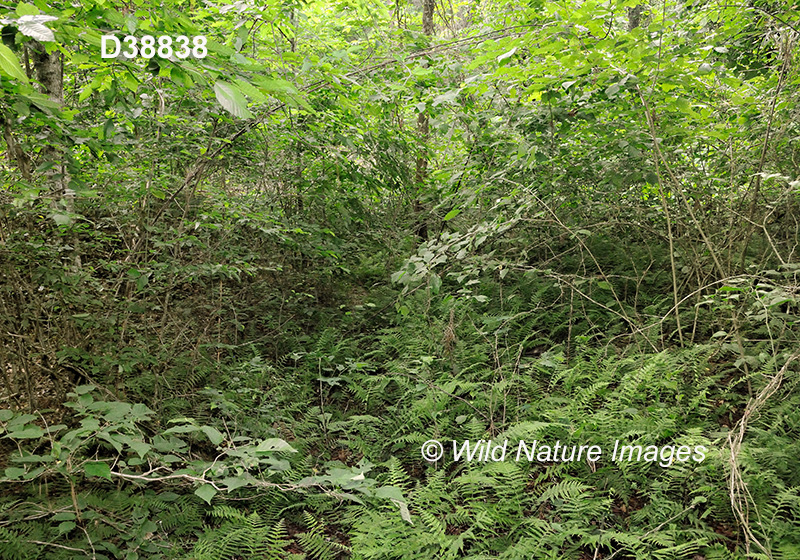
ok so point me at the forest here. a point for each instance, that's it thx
(399, 279)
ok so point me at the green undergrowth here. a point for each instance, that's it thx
(244, 385)
(363, 409)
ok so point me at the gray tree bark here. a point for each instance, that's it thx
(635, 17)
(49, 68)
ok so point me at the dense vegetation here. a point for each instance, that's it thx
(239, 292)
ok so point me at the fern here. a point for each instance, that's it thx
(241, 536)
(316, 543)
(15, 547)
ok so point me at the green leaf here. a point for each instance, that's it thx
(83, 389)
(234, 482)
(97, 468)
(213, 434)
(141, 448)
(206, 492)
(447, 97)
(29, 432)
(142, 281)
(604, 285)
(683, 105)
(612, 90)
(232, 100)
(390, 492)
(278, 465)
(6, 415)
(66, 527)
(186, 429)
(436, 283)
(274, 444)
(141, 412)
(14, 472)
(61, 219)
(116, 411)
(21, 420)
(451, 214)
(251, 91)
(108, 130)
(21, 108)
(9, 64)
(131, 24)
(25, 9)
(275, 85)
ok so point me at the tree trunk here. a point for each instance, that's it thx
(634, 17)
(16, 155)
(50, 74)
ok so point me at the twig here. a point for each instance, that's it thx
(61, 546)
(739, 494)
